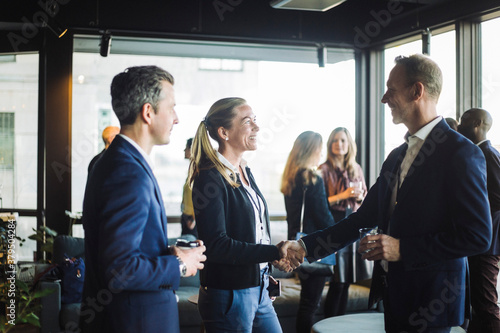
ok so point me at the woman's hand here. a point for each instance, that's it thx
(351, 192)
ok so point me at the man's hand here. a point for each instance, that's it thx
(193, 258)
(380, 247)
(293, 252)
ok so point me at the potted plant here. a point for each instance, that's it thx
(21, 306)
(44, 236)
(19, 302)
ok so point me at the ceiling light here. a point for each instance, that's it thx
(315, 5)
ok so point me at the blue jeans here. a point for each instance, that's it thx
(243, 310)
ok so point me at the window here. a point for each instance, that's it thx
(6, 141)
(18, 141)
(491, 77)
(287, 97)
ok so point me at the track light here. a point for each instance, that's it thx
(426, 42)
(105, 45)
(321, 55)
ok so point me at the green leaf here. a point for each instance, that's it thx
(49, 231)
(33, 319)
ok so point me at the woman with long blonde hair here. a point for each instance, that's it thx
(303, 190)
(345, 188)
(233, 221)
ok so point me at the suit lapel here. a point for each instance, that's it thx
(419, 165)
(392, 181)
(256, 189)
(138, 156)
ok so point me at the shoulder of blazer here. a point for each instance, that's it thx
(209, 177)
(120, 143)
(122, 147)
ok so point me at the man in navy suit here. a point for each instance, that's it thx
(474, 124)
(430, 199)
(131, 273)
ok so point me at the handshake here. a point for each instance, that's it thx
(292, 255)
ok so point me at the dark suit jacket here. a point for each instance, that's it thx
(441, 217)
(94, 160)
(493, 183)
(226, 223)
(130, 275)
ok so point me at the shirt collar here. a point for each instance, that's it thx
(228, 164)
(477, 144)
(424, 131)
(136, 146)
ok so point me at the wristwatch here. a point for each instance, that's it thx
(182, 267)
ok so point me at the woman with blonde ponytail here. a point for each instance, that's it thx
(233, 222)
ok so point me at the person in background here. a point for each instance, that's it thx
(430, 200)
(306, 203)
(131, 273)
(474, 125)
(345, 187)
(108, 134)
(452, 123)
(233, 221)
(188, 223)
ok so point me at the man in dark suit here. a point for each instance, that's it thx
(474, 124)
(430, 199)
(131, 273)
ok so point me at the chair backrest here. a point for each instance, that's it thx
(71, 246)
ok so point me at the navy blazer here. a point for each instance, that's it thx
(226, 223)
(493, 183)
(130, 274)
(441, 217)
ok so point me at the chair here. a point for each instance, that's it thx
(57, 317)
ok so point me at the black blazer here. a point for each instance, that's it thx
(226, 223)
(317, 215)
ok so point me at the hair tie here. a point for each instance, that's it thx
(205, 121)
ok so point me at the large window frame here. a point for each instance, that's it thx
(54, 195)
(262, 59)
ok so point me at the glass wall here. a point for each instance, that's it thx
(443, 52)
(491, 77)
(287, 97)
(18, 140)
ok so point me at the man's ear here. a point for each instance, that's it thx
(418, 90)
(146, 113)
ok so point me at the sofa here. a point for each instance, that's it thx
(286, 305)
(57, 317)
